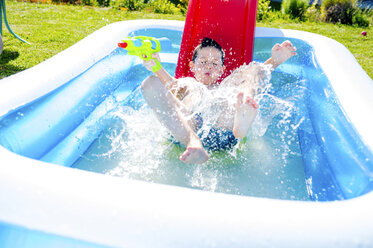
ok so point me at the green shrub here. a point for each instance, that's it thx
(89, 2)
(337, 11)
(296, 9)
(263, 9)
(67, 1)
(344, 12)
(103, 3)
(361, 18)
(163, 7)
(313, 13)
(131, 5)
(183, 6)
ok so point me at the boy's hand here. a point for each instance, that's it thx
(282, 52)
(149, 64)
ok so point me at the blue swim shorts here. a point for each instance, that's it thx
(213, 139)
(217, 139)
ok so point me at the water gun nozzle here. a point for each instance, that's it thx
(122, 44)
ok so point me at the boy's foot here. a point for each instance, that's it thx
(246, 110)
(194, 155)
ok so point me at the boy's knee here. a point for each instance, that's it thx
(149, 84)
(151, 88)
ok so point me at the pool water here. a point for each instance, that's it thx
(106, 127)
(268, 163)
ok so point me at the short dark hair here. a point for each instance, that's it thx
(208, 42)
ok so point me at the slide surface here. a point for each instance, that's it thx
(230, 22)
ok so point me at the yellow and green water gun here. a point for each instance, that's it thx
(143, 47)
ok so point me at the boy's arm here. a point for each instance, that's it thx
(165, 77)
(168, 80)
(281, 53)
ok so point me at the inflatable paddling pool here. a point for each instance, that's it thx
(55, 120)
(43, 203)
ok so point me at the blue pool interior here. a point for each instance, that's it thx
(17, 236)
(303, 147)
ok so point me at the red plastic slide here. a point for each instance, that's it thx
(230, 22)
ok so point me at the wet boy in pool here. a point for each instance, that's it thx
(172, 99)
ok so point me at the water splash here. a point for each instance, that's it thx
(267, 163)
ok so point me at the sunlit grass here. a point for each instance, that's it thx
(360, 46)
(52, 28)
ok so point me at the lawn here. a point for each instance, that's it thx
(53, 28)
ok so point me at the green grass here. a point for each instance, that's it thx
(53, 28)
(360, 46)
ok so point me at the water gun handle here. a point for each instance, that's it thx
(143, 47)
(157, 66)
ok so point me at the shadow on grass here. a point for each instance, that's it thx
(7, 69)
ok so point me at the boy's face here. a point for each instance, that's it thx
(208, 66)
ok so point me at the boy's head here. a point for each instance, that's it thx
(208, 62)
(208, 42)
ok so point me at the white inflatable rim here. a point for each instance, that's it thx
(126, 213)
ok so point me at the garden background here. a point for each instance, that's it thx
(53, 25)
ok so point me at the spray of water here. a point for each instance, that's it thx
(267, 163)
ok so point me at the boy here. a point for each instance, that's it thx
(172, 99)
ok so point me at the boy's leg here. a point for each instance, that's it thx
(246, 110)
(168, 110)
(248, 78)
